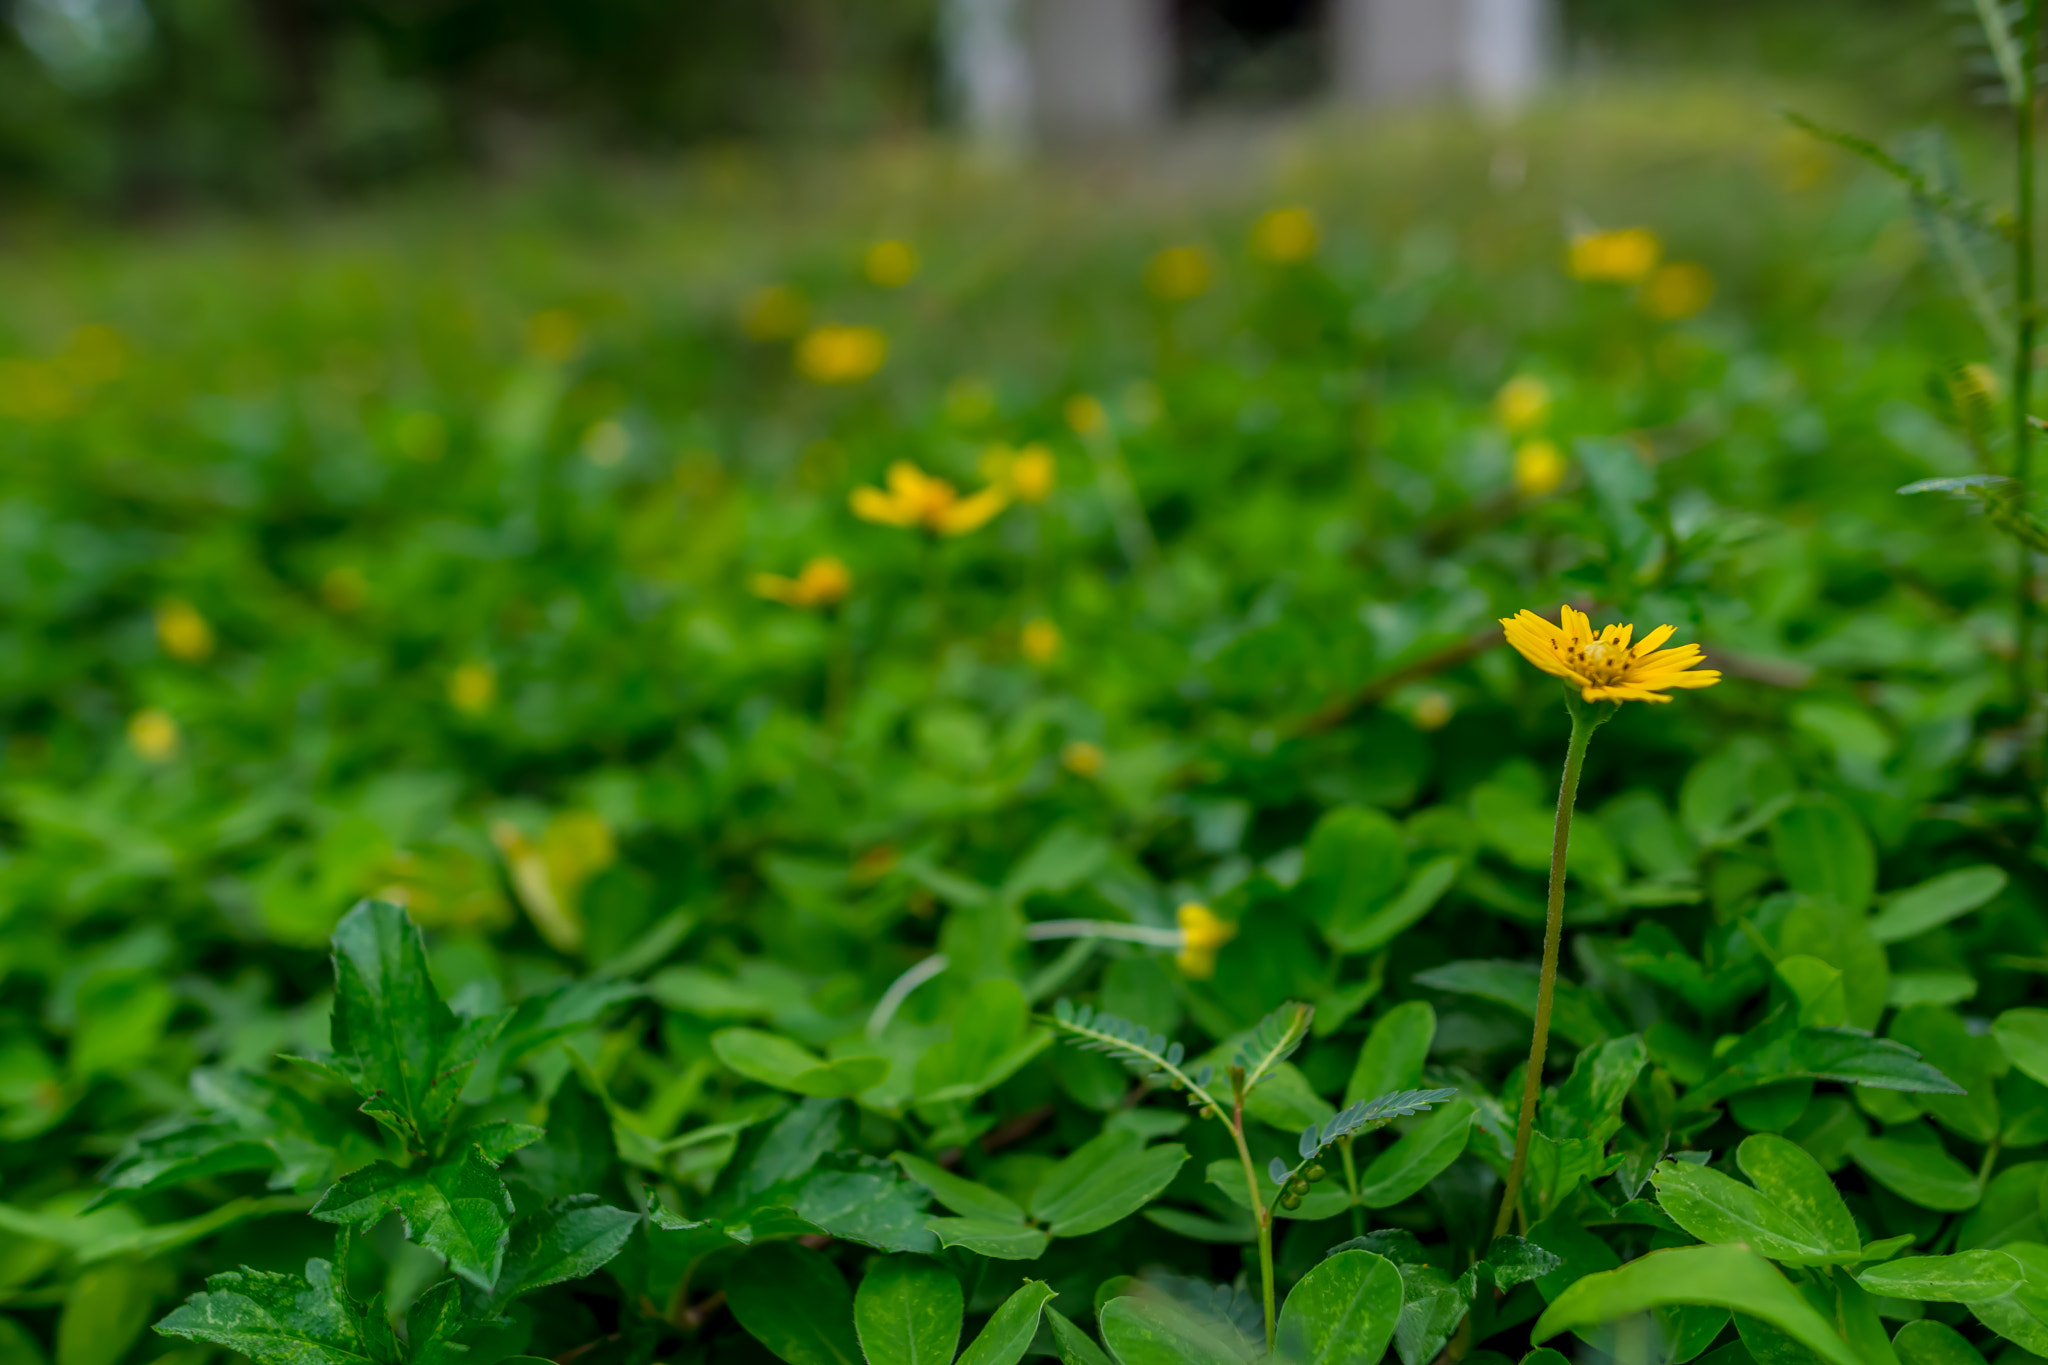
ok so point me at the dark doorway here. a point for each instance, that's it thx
(1249, 53)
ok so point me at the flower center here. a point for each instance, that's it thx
(1598, 661)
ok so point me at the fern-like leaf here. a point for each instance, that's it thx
(1963, 210)
(1366, 1115)
(2006, 54)
(1272, 1042)
(1144, 1052)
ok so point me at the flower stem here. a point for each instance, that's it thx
(1585, 718)
(2023, 348)
(1260, 1212)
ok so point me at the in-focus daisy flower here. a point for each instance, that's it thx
(1522, 404)
(1678, 290)
(824, 582)
(1623, 256)
(1539, 468)
(1202, 932)
(1081, 758)
(1286, 236)
(1040, 640)
(554, 335)
(153, 734)
(774, 312)
(840, 355)
(916, 499)
(1180, 273)
(183, 632)
(472, 688)
(890, 264)
(1606, 667)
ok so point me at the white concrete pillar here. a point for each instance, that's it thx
(1099, 68)
(1492, 52)
(988, 69)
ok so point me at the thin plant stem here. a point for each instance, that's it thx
(1585, 718)
(1351, 1184)
(1259, 1211)
(2023, 349)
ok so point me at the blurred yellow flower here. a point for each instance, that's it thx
(1678, 290)
(1085, 414)
(554, 335)
(472, 688)
(1975, 381)
(840, 355)
(1433, 711)
(153, 734)
(916, 499)
(890, 264)
(1202, 933)
(824, 582)
(1523, 404)
(549, 876)
(1285, 236)
(93, 354)
(421, 436)
(344, 589)
(1180, 273)
(1623, 256)
(1040, 641)
(1081, 758)
(607, 443)
(1539, 467)
(774, 312)
(33, 391)
(183, 632)
(1029, 474)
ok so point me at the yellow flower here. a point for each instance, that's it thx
(1539, 467)
(472, 688)
(1433, 711)
(1624, 256)
(1202, 932)
(1029, 475)
(916, 499)
(1522, 404)
(1081, 758)
(1180, 273)
(1085, 414)
(824, 582)
(890, 264)
(1286, 236)
(183, 632)
(344, 589)
(153, 734)
(840, 355)
(1606, 667)
(554, 335)
(1040, 641)
(773, 312)
(1678, 290)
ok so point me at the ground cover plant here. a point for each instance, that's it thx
(691, 773)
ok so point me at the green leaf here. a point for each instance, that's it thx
(1927, 1342)
(1342, 1312)
(792, 1300)
(1921, 1173)
(394, 1040)
(774, 1060)
(1158, 1331)
(566, 1241)
(961, 1195)
(179, 1150)
(1720, 1276)
(1419, 1157)
(868, 1207)
(1010, 1329)
(990, 1039)
(275, 1319)
(1718, 1209)
(1354, 860)
(908, 1312)
(1394, 1052)
(2023, 1034)
(1788, 1175)
(1004, 1241)
(105, 1310)
(2021, 1315)
(1076, 1347)
(460, 1210)
(1934, 902)
(1824, 852)
(1578, 1016)
(1778, 1050)
(1326, 1200)
(1364, 933)
(2011, 1210)
(500, 1138)
(1432, 1306)
(1272, 1042)
(1105, 1179)
(1966, 1277)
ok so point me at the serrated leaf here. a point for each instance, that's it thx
(460, 1210)
(275, 1319)
(500, 1138)
(566, 1241)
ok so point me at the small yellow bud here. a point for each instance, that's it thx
(1539, 468)
(1523, 404)
(1086, 415)
(841, 355)
(1180, 273)
(183, 632)
(1286, 236)
(1040, 641)
(774, 312)
(554, 335)
(1678, 291)
(1624, 256)
(823, 582)
(1433, 711)
(1202, 933)
(472, 688)
(1081, 758)
(153, 734)
(890, 264)
(1033, 474)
